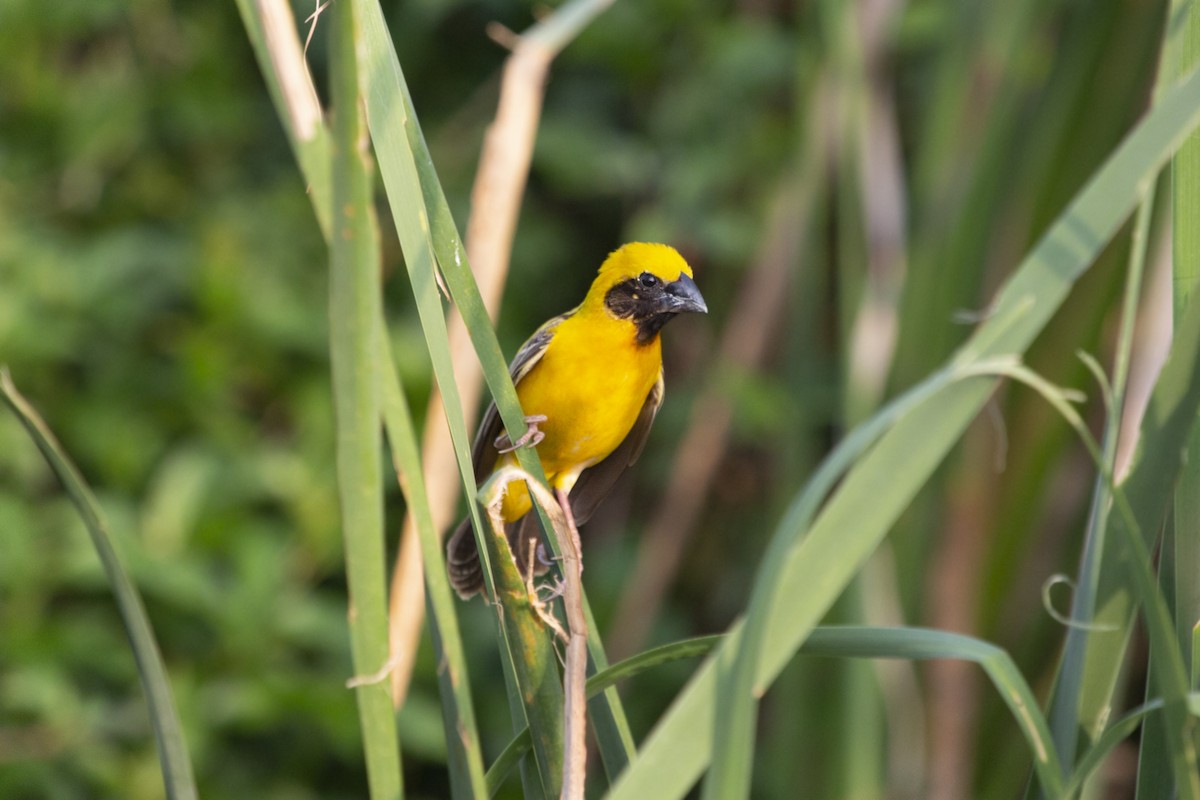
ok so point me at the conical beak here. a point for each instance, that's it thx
(684, 295)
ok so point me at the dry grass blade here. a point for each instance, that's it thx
(575, 669)
(271, 29)
(496, 204)
(295, 82)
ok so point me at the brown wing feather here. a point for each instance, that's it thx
(462, 556)
(466, 573)
(483, 450)
(597, 480)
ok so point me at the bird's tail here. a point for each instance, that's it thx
(462, 554)
(462, 561)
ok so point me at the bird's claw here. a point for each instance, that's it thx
(543, 559)
(551, 591)
(540, 606)
(531, 438)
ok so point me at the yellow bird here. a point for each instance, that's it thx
(590, 382)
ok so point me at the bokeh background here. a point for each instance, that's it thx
(163, 290)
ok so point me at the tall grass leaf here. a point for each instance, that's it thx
(462, 737)
(1068, 714)
(849, 528)
(410, 169)
(536, 660)
(311, 147)
(168, 733)
(1169, 417)
(355, 306)
(606, 713)
(924, 644)
(1178, 565)
(1185, 264)
(852, 641)
(387, 118)
(1113, 735)
(1166, 658)
(734, 728)
(1065, 718)
(597, 685)
(461, 733)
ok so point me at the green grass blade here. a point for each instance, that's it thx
(168, 733)
(857, 642)
(462, 736)
(648, 659)
(1166, 668)
(1160, 759)
(354, 310)
(737, 703)
(1169, 417)
(596, 686)
(848, 529)
(1113, 735)
(909, 643)
(1068, 715)
(537, 668)
(1066, 719)
(1167, 656)
(923, 644)
(388, 120)
(309, 137)
(389, 107)
(388, 117)
(1185, 184)
(509, 757)
(1166, 659)
(1174, 751)
(607, 716)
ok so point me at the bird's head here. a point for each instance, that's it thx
(648, 284)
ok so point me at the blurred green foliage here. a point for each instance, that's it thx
(163, 303)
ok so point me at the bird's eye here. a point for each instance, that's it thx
(647, 280)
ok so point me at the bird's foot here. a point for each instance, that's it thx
(531, 438)
(541, 607)
(548, 592)
(543, 559)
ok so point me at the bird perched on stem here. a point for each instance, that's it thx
(590, 382)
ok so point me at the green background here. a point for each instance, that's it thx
(163, 292)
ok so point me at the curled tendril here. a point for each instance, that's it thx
(1048, 603)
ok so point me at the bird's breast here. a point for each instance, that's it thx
(591, 385)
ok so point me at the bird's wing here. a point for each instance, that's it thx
(597, 481)
(483, 451)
